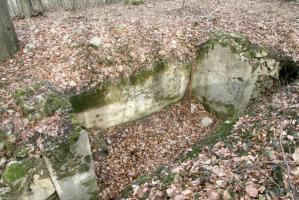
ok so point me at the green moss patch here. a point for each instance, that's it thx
(238, 44)
(40, 100)
(16, 171)
(134, 2)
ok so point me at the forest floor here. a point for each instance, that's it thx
(127, 151)
(55, 47)
(253, 157)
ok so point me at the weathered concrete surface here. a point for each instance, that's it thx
(230, 71)
(134, 98)
(27, 180)
(72, 171)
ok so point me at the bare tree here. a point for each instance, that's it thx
(27, 8)
(8, 38)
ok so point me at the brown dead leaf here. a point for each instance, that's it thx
(252, 190)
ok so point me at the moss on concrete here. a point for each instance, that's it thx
(55, 102)
(17, 171)
(40, 100)
(14, 172)
(237, 43)
(63, 158)
(21, 151)
(134, 2)
(109, 91)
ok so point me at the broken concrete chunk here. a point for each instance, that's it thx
(72, 170)
(230, 71)
(41, 189)
(27, 180)
(41, 100)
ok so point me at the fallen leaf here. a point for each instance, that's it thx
(251, 190)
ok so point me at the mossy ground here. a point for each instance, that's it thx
(220, 134)
(40, 100)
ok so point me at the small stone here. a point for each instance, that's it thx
(261, 54)
(210, 17)
(66, 37)
(2, 161)
(28, 48)
(73, 83)
(74, 44)
(193, 107)
(4, 191)
(81, 29)
(96, 42)
(206, 121)
(42, 188)
(21, 152)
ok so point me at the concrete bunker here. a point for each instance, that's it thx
(228, 72)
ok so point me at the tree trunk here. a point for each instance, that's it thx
(8, 38)
(27, 8)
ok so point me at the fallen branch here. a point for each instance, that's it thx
(291, 187)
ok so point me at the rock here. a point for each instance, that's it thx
(17, 175)
(41, 100)
(28, 48)
(21, 151)
(74, 44)
(2, 161)
(4, 191)
(71, 168)
(230, 71)
(96, 42)
(81, 29)
(41, 188)
(193, 107)
(72, 84)
(210, 17)
(206, 121)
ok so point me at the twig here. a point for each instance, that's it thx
(278, 161)
(183, 5)
(288, 168)
(268, 177)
